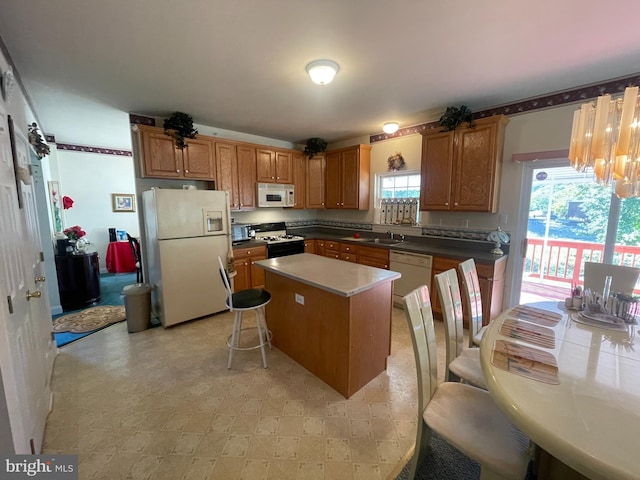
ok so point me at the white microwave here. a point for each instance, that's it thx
(275, 195)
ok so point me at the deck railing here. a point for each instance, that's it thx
(563, 260)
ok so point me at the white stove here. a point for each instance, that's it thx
(279, 243)
(278, 237)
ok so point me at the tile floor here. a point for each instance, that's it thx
(161, 404)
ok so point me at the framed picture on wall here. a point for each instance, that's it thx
(56, 206)
(123, 202)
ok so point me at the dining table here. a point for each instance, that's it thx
(571, 384)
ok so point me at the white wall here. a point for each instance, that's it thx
(90, 179)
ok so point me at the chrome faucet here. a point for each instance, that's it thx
(390, 233)
(402, 237)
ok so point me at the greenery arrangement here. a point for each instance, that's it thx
(314, 146)
(180, 126)
(454, 116)
(36, 140)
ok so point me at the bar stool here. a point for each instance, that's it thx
(250, 299)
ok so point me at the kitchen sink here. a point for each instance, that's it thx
(385, 241)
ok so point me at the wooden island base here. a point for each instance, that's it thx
(343, 340)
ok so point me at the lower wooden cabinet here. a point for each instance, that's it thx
(373, 256)
(310, 246)
(248, 275)
(490, 278)
(332, 249)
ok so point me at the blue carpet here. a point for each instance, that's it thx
(111, 284)
(444, 462)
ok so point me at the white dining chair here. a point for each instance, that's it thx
(461, 363)
(623, 279)
(464, 416)
(473, 300)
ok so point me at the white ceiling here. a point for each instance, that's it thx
(240, 65)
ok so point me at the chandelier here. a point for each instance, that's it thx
(605, 138)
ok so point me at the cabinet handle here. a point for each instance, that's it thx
(40, 279)
(446, 204)
(455, 204)
(186, 171)
(177, 170)
(31, 295)
(342, 203)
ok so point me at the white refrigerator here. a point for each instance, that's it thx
(186, 231)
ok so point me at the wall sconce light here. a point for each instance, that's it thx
(322, 71)
(390, 127)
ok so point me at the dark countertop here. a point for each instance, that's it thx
(440, 247)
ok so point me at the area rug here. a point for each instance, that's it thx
(89, 319)
(444, 462)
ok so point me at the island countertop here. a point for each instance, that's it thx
(335, 276)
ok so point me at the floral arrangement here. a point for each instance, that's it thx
(74, 233)
(67, 202)
(36, 140)
(396, 162)
(180, 126)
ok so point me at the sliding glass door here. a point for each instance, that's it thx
(569, 220)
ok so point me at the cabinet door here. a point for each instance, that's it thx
(299, 163)
(242, 279)
(161, 157)
(436, 170)
(333, 186)
(227, 172)
(257, 273)
(440, 265)
(246, 172)
(309, 246)
(320, 247)
(350, 179)
(282, 167)
(315, 181)
(265, 170)
(198, 160)
(475, 168)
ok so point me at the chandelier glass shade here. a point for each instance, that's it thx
(605, 139)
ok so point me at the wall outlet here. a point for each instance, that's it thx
(299, 299)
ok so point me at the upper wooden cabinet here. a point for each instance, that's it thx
(461, 168)
(161, 158)
(299, 166)
(347, 177)
(236, 173)
(273, 166)
(315, 181)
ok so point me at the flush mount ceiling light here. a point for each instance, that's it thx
(322, 71)
(390, 127)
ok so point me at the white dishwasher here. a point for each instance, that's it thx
(415, 269)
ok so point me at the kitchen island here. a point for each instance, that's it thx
(330, 316)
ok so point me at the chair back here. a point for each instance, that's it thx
(472, 297)
(417, 309)
(134, 244)
(451, 303)
(623, 279)
(226, 281)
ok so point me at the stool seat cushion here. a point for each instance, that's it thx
(250, 298)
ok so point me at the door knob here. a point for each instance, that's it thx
(40, 279)
(35, 294)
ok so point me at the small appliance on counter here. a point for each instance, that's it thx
(241, 232)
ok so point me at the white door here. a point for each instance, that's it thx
(26, 349)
